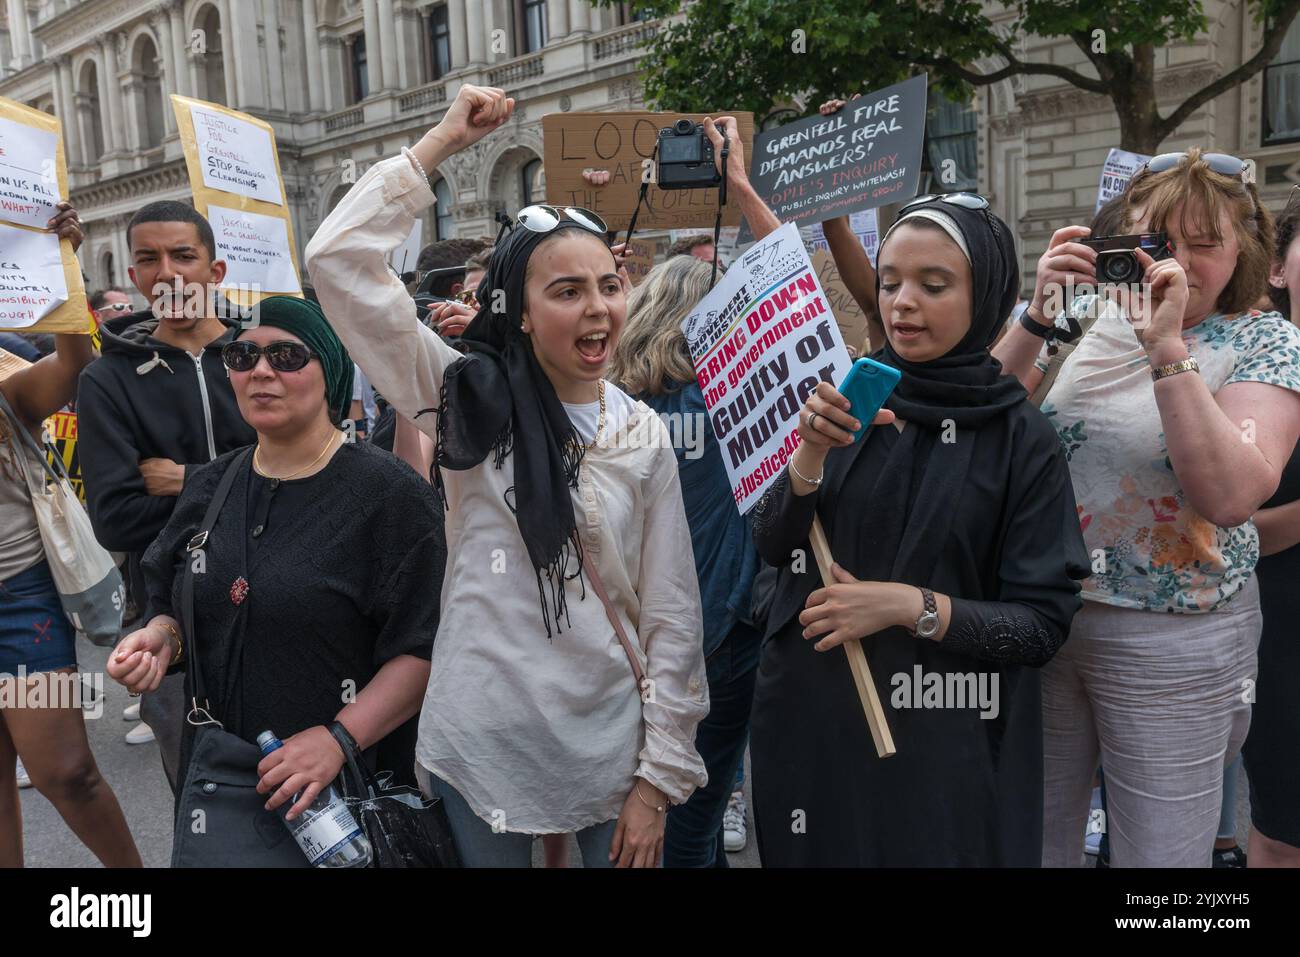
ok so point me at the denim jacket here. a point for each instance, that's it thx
(725, 558)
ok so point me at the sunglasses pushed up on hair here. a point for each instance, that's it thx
(282, 356)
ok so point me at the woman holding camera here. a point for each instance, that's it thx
(953, 527)
(557, 481)
(1178, 413)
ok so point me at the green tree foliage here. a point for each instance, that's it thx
(745, 53)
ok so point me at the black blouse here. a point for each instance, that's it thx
(344, 572)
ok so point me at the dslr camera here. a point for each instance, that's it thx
(1117, 263)
(686, 158)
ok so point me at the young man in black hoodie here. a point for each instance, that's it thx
(155, 403)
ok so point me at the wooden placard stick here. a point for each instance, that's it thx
(857, 658)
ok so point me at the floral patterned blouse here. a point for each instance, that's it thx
(1150, 549)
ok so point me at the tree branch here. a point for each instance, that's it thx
(1014, 68)
(1272, 43)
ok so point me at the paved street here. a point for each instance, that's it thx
(135, 774)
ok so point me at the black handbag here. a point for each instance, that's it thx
(404, 829)
(221, 820)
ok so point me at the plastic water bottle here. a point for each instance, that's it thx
(327, 832)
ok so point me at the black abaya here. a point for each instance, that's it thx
(963, 789)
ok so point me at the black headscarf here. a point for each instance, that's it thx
(498, 399)
(945, 403)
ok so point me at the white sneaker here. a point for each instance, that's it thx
(23, 780)
(140, 734)
(131, 712)
(734, 834)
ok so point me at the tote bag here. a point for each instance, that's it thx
(89, 584)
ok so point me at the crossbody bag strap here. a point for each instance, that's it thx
(31, 443)
(198, 690)
(599, 587)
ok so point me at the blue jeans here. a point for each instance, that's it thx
(480, 846)
(693, 835)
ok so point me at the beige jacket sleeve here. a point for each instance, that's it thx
(364, 300)
(670, 628)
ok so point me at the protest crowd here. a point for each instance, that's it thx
(547, 553)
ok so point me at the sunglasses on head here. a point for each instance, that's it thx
(543, 218)
(283, 356)
(115, 307)
(1221, 163)
(964, 200)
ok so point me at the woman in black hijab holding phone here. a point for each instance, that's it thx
(958, 553)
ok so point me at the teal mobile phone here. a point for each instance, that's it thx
(867, 386)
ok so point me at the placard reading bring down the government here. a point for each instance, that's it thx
(32, 281)
(236, 157)
(255, 248)
(761, 341)
(29, 183)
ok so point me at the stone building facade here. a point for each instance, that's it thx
(346, 82)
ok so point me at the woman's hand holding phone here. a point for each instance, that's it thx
(825, 421)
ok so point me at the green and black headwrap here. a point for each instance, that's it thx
(305, 320)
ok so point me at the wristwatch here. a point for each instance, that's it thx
(1031, 325)
(927, 624)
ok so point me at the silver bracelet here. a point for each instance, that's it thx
(804, 478)
(419, 167)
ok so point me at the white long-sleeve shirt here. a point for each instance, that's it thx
(538, 736)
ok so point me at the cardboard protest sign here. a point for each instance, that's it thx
(255, 248)
(848, 314)
(235, 178)
(761, 341)
(40, 279)
(236, 156)
(623, 143)
(641, 257)
(1116, 172)
(866, 155)
(29, 185)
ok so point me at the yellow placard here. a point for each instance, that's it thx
(205, 196)
(71, 316)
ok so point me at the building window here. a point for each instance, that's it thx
(528, 183)
(443, 226)
(952, 145)
(1282, 91)
(439, 42)
(360, 76)
(534, 25)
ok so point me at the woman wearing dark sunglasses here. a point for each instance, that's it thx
(316, 594)
(557, 483)
(1179, 410)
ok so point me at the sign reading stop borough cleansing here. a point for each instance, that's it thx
(761, 341)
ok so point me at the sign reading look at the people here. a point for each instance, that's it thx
(761, 341)
(623, 144)
(865, 155)
(40, 280)
(235, 177)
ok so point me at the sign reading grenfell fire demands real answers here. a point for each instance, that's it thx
(761, 341)
(866, 155)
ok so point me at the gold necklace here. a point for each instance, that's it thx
(283, 478)
(600, 419)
